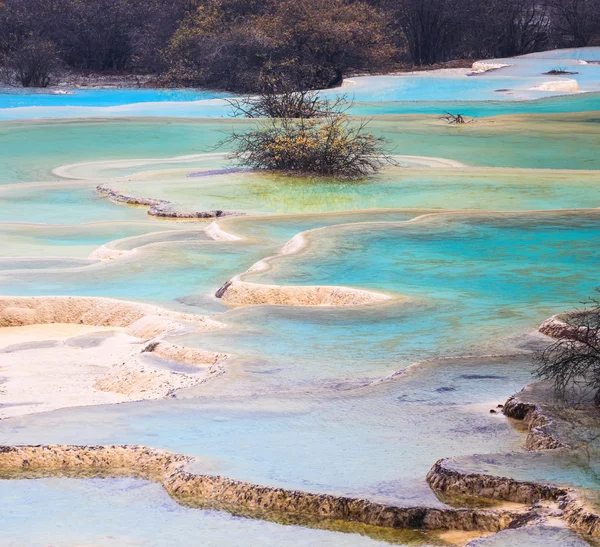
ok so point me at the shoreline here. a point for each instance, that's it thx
(447, 479)
(245, 498)
(548, 431)
(74, 79)
(161, 208)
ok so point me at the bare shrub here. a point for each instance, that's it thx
(330, 146)
(559, 71)
(572, 363)
(456, 119)
(287, 104)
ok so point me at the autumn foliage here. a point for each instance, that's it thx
(235, 44)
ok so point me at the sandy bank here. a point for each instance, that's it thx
(58, 352)
(141, 320)
(215, 232)
(567, 86)
(104, 252)
(556, 326)
(237, 293)
(47, 367)
(480, 67)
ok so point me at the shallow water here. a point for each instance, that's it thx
(577, 468)
(339, 443)
(63, 203)
(196, 266)
(58, 143)
(583, 102)
(506, 257)
(400, 187)
(42, 240)
(566, 141)
(534, 536)
(132, 512)
(18, 97)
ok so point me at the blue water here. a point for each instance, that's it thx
(365, 104)
(474, 283)
(584, 102)
(131, 513)
(15, 97)
(477, 287)
(509, 259)
(498, 91)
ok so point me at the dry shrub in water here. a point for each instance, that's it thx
(572, 363)
(330, 146)
(455, 119)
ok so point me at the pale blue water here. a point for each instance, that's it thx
(43, 240)
(71, 203)
(581, 53)
(506, 85)
(17, 97)
(477, 286)
(584, 102)
(568, 142)
(558, 467)
(196, 267)
(361, 444)
(459, 98)
(135, 513)
(58, 143)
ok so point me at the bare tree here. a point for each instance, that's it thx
(33, 63)
(281, 98)
(430, 27)
(525, 28)
(576, 22)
